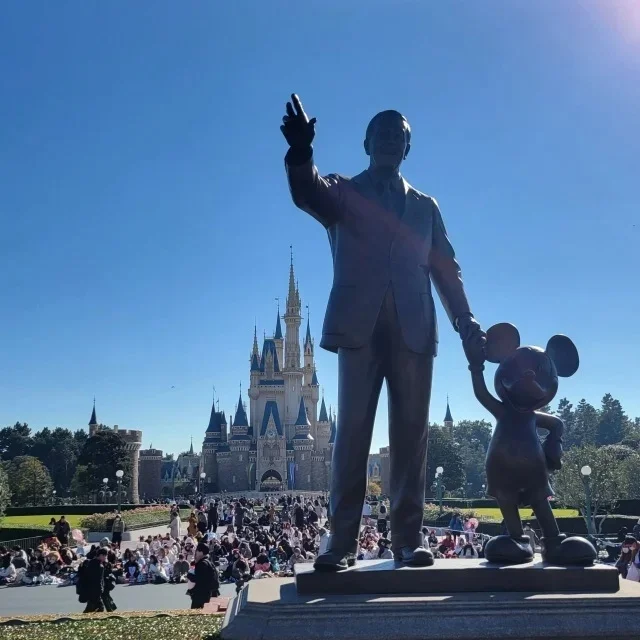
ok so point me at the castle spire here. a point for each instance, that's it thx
(93, 422)
(191, 447)
(307, 339)
(291, 295)
(323, 412)
(278, 334)
(447, 415)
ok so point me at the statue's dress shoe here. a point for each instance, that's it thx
(417, 557)
(334, 561)
(508, 550)
(573, 551)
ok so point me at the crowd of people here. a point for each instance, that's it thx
(232, 541)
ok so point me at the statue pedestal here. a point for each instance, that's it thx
(455, 576)
(274, 608)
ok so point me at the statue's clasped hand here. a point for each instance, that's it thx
(473, 339)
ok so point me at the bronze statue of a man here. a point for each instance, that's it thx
(388, 242)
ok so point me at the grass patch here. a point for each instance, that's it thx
(525, 514)
(190, 626)
(38, 521)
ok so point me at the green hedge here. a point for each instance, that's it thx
(143, 517)
(17, 533)
(176, 627)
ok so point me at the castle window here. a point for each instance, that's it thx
(302, 457)
(233, 479)
(309, 478)
(240, 458)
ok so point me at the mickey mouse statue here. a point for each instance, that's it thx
(517, 463)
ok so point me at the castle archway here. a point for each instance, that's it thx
(271, 481)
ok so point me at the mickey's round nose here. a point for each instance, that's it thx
(529, 373)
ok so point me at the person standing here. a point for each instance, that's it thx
(388, 244)
(61, 530)
(93, 581)
(205, 578)
(212, 517)
(117, 529)
(175, 525)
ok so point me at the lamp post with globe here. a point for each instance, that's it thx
(119, 476)
(203, 475)
(105, 488)
(586, 480)
(438, 487)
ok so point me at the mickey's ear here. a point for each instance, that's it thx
(564, 355)
(502, 340)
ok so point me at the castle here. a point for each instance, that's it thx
(283, 442)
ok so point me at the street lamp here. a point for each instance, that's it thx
(438, 486)
(484, 487)
(203, 475)
(105, 487)
(119, 475)
(54, 496)
(586, 480)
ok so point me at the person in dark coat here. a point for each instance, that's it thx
(212, 516)
(93, 578)
(62, 531)
(298, 516)
(205, 577)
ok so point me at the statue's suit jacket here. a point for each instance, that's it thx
(373, 248)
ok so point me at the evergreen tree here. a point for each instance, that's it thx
(29, 481)
(585, 424)
(613, 422)
(15, 441)
(442, 451)
(566, 414)
(102, 455)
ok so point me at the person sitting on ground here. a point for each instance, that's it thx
(7, 570)
(447, 544)
(384, 551)
(432, 539)
(180, 569)
(157, 574)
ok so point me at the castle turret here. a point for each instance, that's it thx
(292, 319)
(309, 366)
(323, 429)
(93, 421)
(303, 450)
(448, 419)
(278, 338)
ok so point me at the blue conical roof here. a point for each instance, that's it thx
(278, 333)
(93, 421)
(447, 415)
(314, 378)
(240, 419)
(332, 435)
(323, 413)
(303, 420)
(307, 339)
(255, 365)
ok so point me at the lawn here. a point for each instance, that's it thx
(525, 514)
(37, 521)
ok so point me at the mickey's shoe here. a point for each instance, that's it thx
(508, 550)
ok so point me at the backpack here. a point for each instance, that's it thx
(81, 586)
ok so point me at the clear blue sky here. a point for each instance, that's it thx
(146, 219)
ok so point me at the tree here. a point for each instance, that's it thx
(59, 450)
(609, 480)
(442, 451)
(5, 492)
(29, 480)
(613, 423)
(79, 486)
(473, 432)
(566, 414)
(585, 424)
(15, 441)
(374, 488)
(103, 454)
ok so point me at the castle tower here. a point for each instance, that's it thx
(293, 375)
(93, 421)
(278, 338)
(133, 442)
(150, 473)
(213, 440)
(292, 319)
(448, 420)
(239, 445)
(303, 450)
(309, 366)
(323, 429)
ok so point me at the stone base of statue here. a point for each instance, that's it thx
(454, 599)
